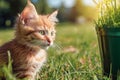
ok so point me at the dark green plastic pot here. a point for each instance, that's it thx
(109, 45)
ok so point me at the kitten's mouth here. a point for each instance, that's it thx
(48, 44)
(42, 44)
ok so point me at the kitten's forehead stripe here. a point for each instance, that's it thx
(45, 22)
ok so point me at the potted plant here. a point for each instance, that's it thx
(108, 33)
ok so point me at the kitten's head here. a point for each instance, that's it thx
(34, 29)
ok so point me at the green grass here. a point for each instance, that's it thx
(109, 13)
(83, 63)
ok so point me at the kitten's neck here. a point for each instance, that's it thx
(22, 42)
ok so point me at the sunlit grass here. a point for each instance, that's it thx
(109, 13)
(81, 63)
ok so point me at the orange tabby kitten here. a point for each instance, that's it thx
(33, 34)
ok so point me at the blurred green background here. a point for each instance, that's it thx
(75, 11)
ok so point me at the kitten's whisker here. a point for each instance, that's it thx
(58, 47)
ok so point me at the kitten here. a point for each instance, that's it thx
(34, 33)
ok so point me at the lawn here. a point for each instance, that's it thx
(74, 56)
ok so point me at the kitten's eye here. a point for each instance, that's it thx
(52, 33)
(42, 32)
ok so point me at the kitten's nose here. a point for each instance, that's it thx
(48, 41)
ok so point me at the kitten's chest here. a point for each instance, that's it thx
(29, 62)
(38, 59)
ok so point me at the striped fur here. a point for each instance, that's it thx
(34, 33)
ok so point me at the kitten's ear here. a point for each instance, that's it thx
(28, 13)
(53, 16)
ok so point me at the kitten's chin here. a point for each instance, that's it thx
(43, 45)
(46, 46)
